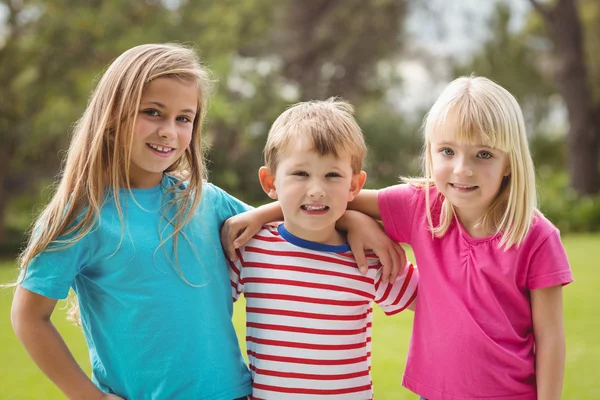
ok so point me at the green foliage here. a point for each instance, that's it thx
(569, 212)
(514, 61)
(394, 146)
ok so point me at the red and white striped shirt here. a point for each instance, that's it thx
(308, 313)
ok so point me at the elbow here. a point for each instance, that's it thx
(16, 318)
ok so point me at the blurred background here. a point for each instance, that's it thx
(390, 58)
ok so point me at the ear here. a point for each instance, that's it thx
(357, 183)
(267, 181)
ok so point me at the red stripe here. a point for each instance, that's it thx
(234, 267)
(311, 391)
(279, 267)
(299, 314)
(302, 299)
(289, 282)
(388, 289)
(316, 377)
(349, 254)
(310, 346)
(313, 361)
(312, 331)
(409, 274)
(269, 239)
(299, 254)
(408, 303)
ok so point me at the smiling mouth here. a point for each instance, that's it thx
(161, 149)
(466, 187)
(308, 207)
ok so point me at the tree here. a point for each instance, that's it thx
(563, 23)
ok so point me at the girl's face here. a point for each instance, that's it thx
(468, 175)
(163, 129)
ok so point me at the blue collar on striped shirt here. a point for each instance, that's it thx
(311, 245)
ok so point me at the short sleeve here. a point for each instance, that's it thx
(549, 265)
(397, 205)
(235, 275)
(395, 297)
(223, 203)
(52, 273)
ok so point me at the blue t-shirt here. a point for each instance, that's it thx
(151, 334)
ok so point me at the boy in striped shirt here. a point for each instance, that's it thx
(308, 308)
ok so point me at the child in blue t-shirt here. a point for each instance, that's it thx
(134, 231)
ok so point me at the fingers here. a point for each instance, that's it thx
(243, 237)
(403, 260)
(396, 254)
(229, 249)
(228, 236)
(359, 256)
(387, 263)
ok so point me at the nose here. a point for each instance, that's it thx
(167, 130)
(462, 167)
(316, 190)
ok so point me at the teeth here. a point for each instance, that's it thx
(314, 208)
(462, 186)
(160, 148)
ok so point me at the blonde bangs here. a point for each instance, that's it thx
(472, 120)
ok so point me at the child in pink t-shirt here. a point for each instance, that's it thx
(489, 319)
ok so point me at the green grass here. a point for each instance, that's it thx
(20, 379)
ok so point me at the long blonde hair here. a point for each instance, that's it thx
(484, 112)
(98, 158)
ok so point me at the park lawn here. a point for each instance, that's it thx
(20, 379)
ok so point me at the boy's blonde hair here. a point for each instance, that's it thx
(329, 125)
(475, 110)
(99, 154)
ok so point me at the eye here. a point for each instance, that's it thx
(184, 118)
(300, 173)
(446, 151)
(485, 155)
(151, 112)
(333, 175)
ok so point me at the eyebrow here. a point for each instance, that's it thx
(161, 105)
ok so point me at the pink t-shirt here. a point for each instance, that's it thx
(473, 332)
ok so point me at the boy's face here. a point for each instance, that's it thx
(313, 190)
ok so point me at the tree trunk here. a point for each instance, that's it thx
(583, 139)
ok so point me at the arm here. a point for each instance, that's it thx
(366, 233)
(240, 228)
(30, 317)
(400, 294)
(366, 202)
(550, 347)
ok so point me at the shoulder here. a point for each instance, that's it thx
(267, 239)
(214, 193)
(407, 193)
(541, 229)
